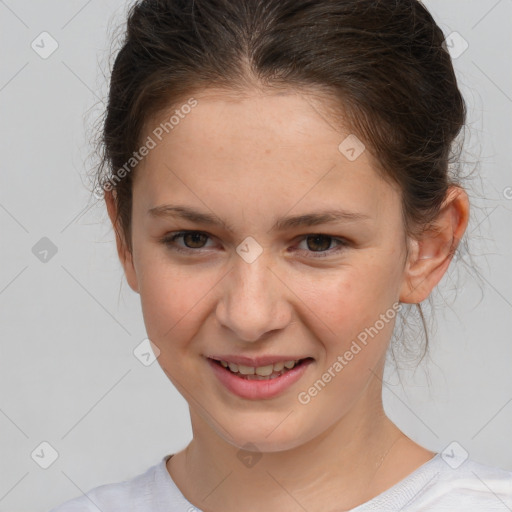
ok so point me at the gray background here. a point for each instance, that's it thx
(69, 325)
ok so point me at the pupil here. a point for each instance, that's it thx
(316, 238)
(194, 236)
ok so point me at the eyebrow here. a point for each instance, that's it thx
(282, 224)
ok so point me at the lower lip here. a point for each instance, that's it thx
(258, 389)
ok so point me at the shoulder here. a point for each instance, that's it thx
(453, 484)
(137, 494)
(447, 484)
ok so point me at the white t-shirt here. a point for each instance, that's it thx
(435, 486)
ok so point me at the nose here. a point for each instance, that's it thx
(254, 300)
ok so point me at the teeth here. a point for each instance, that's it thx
(246, 370)
(262, 371)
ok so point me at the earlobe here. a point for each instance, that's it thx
(125, 255)
(430, 255)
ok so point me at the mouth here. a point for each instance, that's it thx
(272, 377)
(265, 372)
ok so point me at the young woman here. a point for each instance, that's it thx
(277, 177)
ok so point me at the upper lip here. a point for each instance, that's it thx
(256, 361)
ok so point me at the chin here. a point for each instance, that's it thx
(266, 435)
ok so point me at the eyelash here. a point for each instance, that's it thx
(170, 242)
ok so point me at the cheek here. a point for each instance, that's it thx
(351, 297)
(172, 299)
(358, 311)
(353, 312)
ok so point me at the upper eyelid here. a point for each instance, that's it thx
(180, 234)
(197, 232)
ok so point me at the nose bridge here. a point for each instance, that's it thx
(252, 303)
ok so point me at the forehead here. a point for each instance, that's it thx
(273, 148)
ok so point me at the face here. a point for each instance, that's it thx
(243, 285)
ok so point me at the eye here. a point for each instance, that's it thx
(193, 240)
(318, 245)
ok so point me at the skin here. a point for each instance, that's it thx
(248, 160)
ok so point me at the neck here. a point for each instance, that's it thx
(340, 466)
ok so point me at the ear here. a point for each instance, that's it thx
(125, 255)
(431, 253)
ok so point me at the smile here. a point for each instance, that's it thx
(270, 371)
(259, 382)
